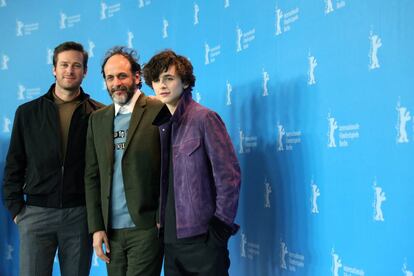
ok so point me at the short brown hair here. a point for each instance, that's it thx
(67, 46)
(129, 54)
(162, 61)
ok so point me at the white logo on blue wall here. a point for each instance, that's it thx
(405, 270)
(375, 42)
(211, 53)
(311, 72)
(331, 132)
(91, 47)
(286, 139)
(328, 6)
(315, 194)
(239, 38)
(49, 56)
(143, 3)
(347, 133)
(379, 198)
(6, 125)
(226, 4)
(108, 11)
(129, 40)
(19, 28)
(279, 16)
(25, 29)
(280, 133)
(246, 143)
(241, 141)
(290, 260)
(244, 39)
(266, 78)
(197, 96)
(403, 118)
(196, 11)
(63, 18)
(229, 89)
(20, 92)
(9, 254)
(285, 19)
(283, 252)
(5, 62)
(104, 7)
(336, 263)
(165, 28)
(24, 93)
(3, 3)
(206, 54)
(248, 250)
(267, 192)
(243, 242)
(68, 21)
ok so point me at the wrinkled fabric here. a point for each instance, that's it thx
(205, 167)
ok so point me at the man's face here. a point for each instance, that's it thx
(69, 70)
(169, 87)
(120, 81)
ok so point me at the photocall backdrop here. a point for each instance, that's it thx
(317, 97)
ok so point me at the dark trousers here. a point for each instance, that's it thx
(134, 252)
(199, 258)
(42, 231)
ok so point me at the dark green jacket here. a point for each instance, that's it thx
(140, 165)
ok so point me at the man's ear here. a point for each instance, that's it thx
(54, 71)
(137, 78)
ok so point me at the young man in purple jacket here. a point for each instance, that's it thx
(200, 174)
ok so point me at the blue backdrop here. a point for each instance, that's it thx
(317, 96)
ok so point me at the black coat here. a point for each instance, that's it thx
(34, 163)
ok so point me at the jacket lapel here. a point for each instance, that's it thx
(108, 134)
(136, 117)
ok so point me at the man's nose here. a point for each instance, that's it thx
(117, 81)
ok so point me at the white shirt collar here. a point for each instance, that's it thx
(129, 106)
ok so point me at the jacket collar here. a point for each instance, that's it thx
(164, 115)
(49, 95)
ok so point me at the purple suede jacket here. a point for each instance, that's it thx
(205, 167)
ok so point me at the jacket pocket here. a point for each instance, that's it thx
(190, 146)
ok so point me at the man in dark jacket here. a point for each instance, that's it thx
(43, 180)
(200, 174)
(122, 172)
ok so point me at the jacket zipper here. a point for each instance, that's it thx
(61, 157)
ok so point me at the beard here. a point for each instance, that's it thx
(125, 96)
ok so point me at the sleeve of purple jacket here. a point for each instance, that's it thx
(225, 168)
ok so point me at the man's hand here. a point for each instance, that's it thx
(99, 238)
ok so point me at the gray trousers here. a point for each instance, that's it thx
(42, 231)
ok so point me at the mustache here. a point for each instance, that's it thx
(119, 88)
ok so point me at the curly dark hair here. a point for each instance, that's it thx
(162, 61)
(129, 54)
(68, 46)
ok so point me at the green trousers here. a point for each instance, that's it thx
(134, 252)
